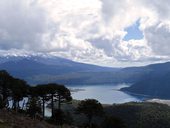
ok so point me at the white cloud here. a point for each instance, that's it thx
(86, 30)
(21, 25)
(158, 38)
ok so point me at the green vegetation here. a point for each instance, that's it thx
(34, 107)
(113, 122)
(90, 108)
(141, 115)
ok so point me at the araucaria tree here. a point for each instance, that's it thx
(52, 92)
(41, 92)
(34, 107)
(57, 93)
(19, 90)
(11, 87)
(90, 108)
(15, 89)
(63, 95)
(5, 83)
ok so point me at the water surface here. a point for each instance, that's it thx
(106, 94)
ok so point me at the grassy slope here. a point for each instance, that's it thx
(13, 120)
(142, 115)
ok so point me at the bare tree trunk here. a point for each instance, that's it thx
(52, 105)
(59, 102)
(4, 96)
(43, 107)
(14, 105)
(18, 107)
(23, 104)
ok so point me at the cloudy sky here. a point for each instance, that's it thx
(104, 32)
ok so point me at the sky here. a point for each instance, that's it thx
(116, 33)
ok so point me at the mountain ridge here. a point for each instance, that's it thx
(155, 83)
(37, 67)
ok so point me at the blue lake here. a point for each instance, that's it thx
(106, 94)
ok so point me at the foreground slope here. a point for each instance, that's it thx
(15, 120)
(141, 115)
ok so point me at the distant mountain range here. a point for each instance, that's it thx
(44, 69)
(40, 69)
(151, 80)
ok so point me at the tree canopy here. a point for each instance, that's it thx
(90, 108)
(16, 89)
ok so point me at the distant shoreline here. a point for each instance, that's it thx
(72, 90)
(137, 94)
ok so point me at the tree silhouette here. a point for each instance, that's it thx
(59, 117)
(57, 93)
(12, 87)
(5, 83)
(40, 92)
(1, 103)
(63, 95)
(19, 89)
(52, 92)
(34, 107)
(91, 108)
